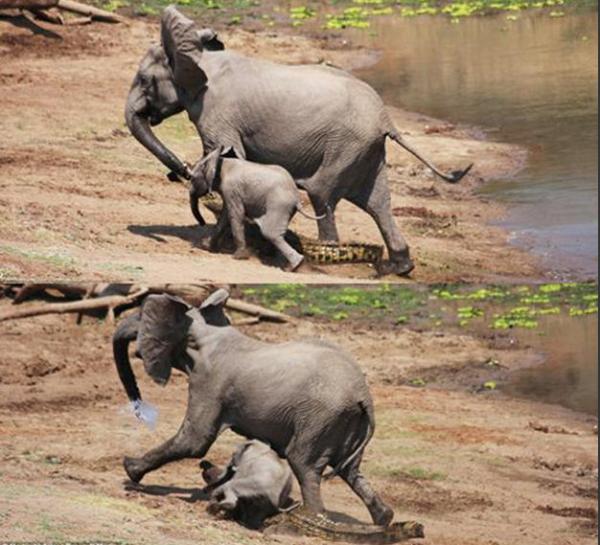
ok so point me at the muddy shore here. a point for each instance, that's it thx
(81, 199)
(477, 468)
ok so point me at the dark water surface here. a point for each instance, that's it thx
(532, 81)
(569, 375)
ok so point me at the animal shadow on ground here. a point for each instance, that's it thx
(189, 495)
(193, 495)
(198, 235)
(23, 22)
(193, 234)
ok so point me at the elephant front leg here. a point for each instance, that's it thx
(219, 230)
(189, 442)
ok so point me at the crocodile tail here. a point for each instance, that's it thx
(300, 521)
(368, 418)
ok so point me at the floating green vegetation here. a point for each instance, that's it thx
(496, 307)
(340, 303)
(358, 17)
(466, 314)
(354, 17)
(301, 12)
(516, 317)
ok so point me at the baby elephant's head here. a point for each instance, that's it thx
(205, 172)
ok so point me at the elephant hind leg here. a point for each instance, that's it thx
(309, 479)
(273, 227)
(327, 227)
(381, 513)
(376, 201)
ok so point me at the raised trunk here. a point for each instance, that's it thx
(124, 334)
(139, 126)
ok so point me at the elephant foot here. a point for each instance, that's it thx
(382, 515)
(402, 265)
(133, 470)
(294, 265)
(242, 253)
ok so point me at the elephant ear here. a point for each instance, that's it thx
(162, 330)
(182, 43)
(210, 41)
(212, 308)
(210, 166)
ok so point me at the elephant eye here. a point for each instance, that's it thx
(144, 81)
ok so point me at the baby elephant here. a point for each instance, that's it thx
(263, 194)
(255, 485)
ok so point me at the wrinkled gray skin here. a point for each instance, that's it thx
(324, 126)
(263, 194)
(312, 414)
(255, 485)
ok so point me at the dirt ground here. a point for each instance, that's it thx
(468, 465)
(81, 199)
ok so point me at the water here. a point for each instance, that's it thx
(569, 374)
(532, 82)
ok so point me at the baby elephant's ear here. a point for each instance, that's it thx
(183, 47)
(209, 39)
(229, 151)
(162, 331)
(212, 308)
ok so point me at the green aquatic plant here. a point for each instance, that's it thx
(354, 17)
(301, 13)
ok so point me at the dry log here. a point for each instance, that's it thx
(28, 290)
(111, 296)
(257, 310)
(109, 302)
(50, 15)
(78, 21)
(89, 11)
(27, 4)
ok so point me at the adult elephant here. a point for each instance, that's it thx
(313, 415)
(326, 127)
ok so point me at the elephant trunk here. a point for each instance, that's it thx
(139, 125)
(195, 208)
(124, 334)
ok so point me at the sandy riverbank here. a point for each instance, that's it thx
(81, 199)
(470, 466)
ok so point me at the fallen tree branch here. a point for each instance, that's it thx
(112, 296)
(109, 302)
(27, 4)
(257, 310)
(83, 9)
(50, 15)
(73, 21)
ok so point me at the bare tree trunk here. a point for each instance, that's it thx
(27, 4)
(109, 302)
(51, 15)
(95, 13)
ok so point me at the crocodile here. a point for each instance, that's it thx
(314, 250)
(300, 521)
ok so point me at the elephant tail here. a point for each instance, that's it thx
(369, 421)
(124, 334)
(454, 177)
(301, 210)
